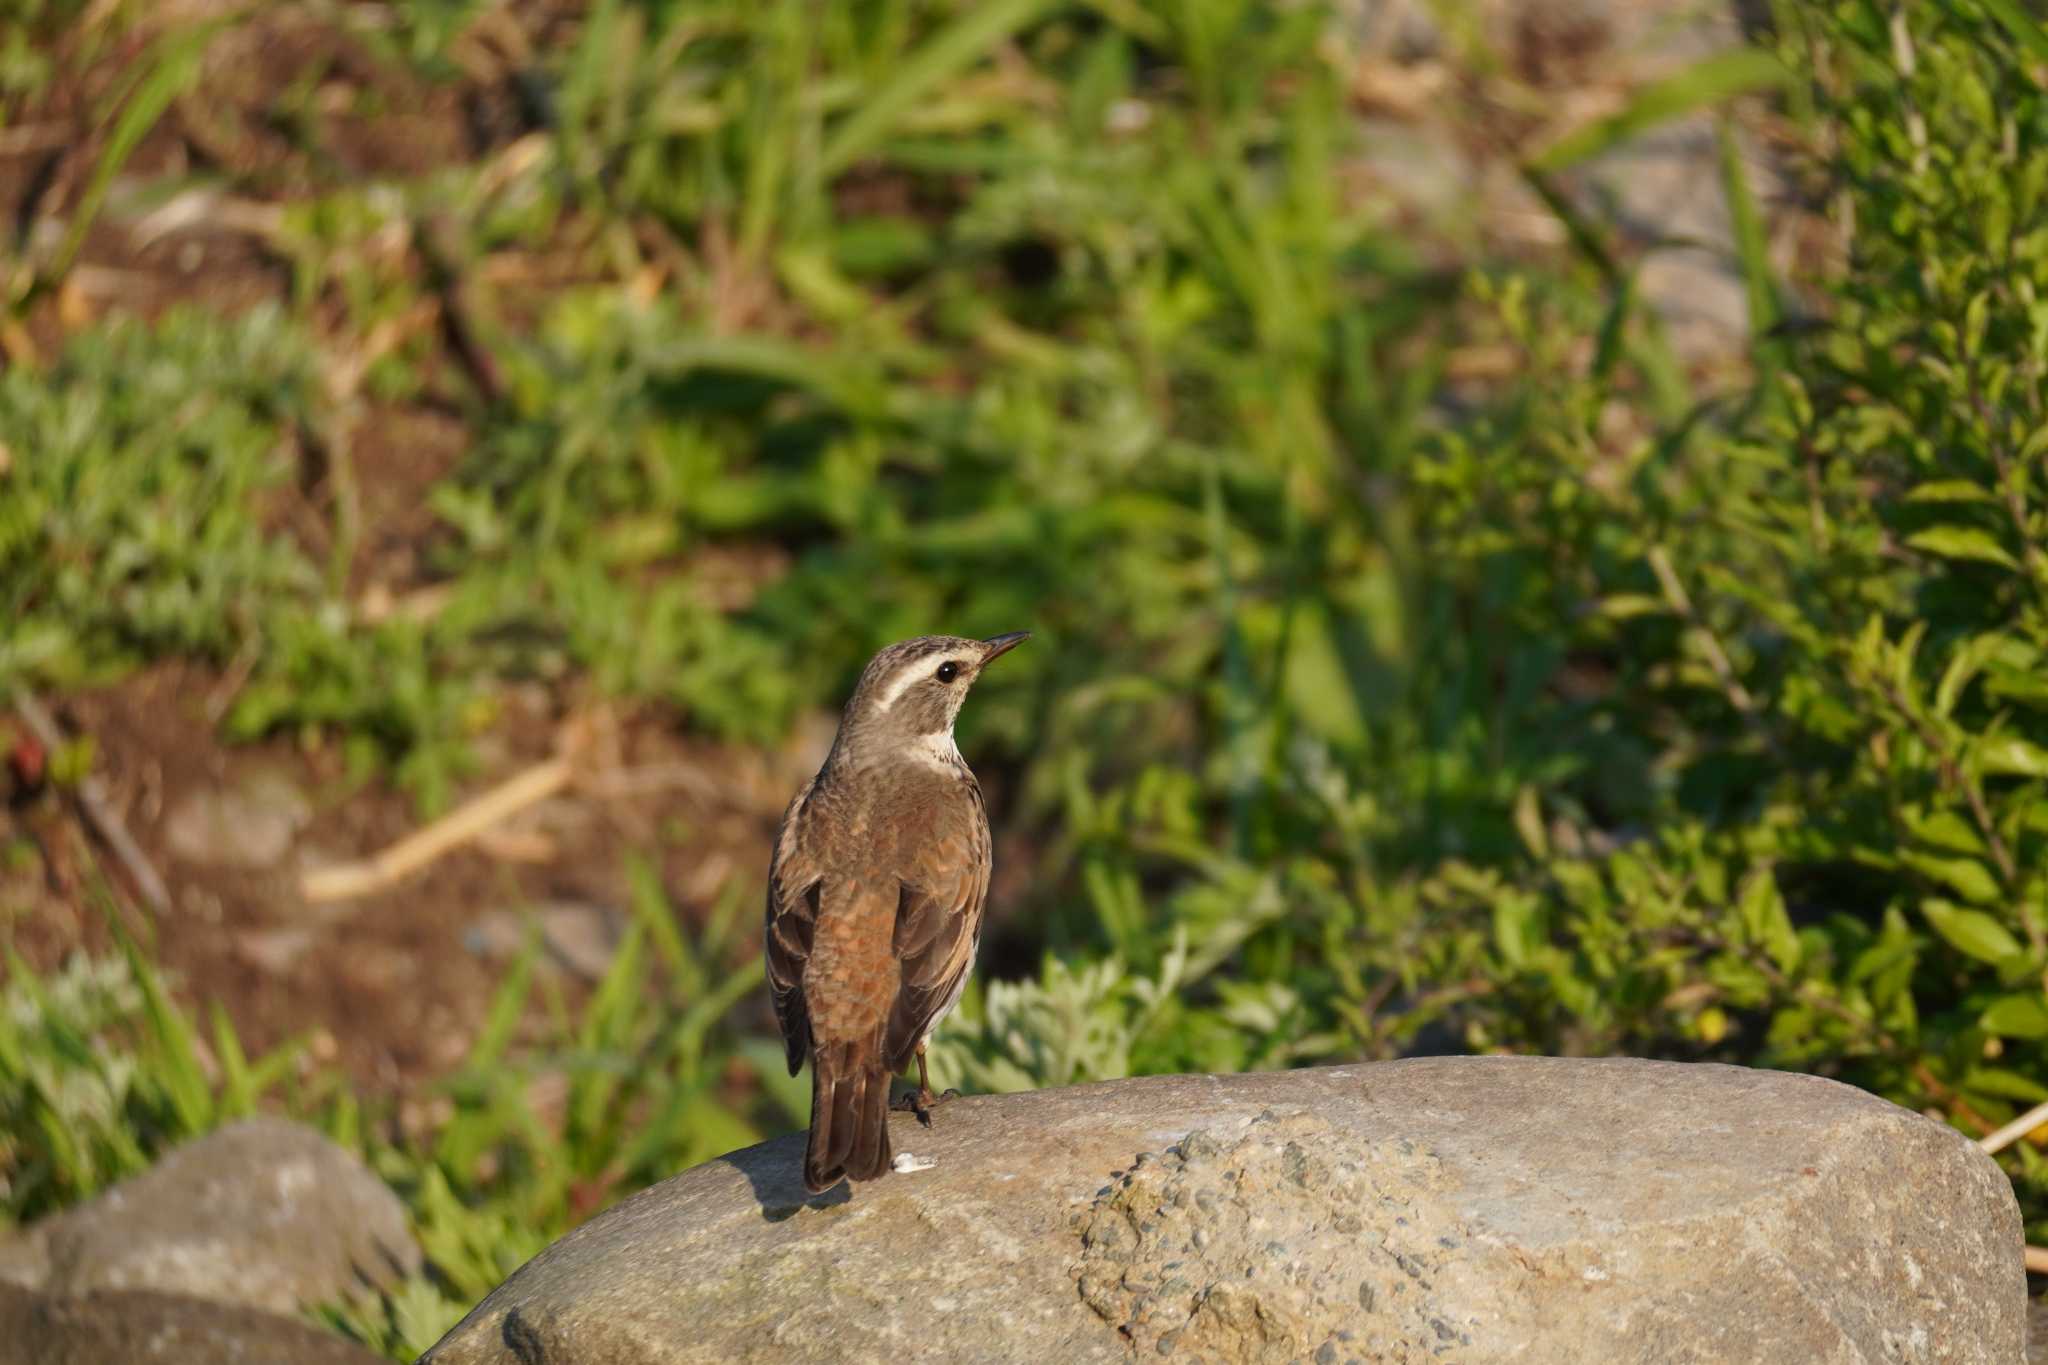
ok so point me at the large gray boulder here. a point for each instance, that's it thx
(262, 1212)
(1440, 1209)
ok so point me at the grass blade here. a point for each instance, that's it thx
(176, 68)
(177, 1052)
(1705, 83)
(2025, 29)
(1752, 244)
(953, 48)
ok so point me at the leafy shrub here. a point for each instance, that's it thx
(1743, 752)
(130, 516)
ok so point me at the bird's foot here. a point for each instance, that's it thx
(921, 1102)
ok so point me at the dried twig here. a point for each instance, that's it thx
(2014, 1131)
(98, 810)
(2037, 1260)
(459, 826)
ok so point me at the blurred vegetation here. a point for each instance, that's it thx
(1371, 710)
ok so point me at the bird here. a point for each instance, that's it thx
(875, 896)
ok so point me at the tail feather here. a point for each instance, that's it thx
(849, 1119)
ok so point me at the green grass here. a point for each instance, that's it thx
(1584, 710)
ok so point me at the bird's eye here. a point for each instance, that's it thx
(948, 671)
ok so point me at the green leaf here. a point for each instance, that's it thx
(2025, 29)
(2021, 1015)
(1752, 236)
(2028, 689)
(1707, 82)
(1949, 490)
(1963, 666)
(1962, 542)
(1518, 930)
(1946, 829)
(176, 66)
(1621, 606)
(1970, 931)
(1967, 877)
(2011, 756)
(1529, 821)
(2007, 1085)
(1765, 921)
(961, 43)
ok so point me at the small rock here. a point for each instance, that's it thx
(580, 938)
(137, 1327)
(248, 823)
(24, 1260)
(1419, 165)
(262, 1212)
(273, 950)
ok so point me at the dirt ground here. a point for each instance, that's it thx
(391, 984)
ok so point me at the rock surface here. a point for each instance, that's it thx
(578, 938)
(262, 1212)
(1660, 192)
(1438, 1209)
(248, 823)
(135, 1327)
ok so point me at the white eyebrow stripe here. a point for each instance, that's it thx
(903, 682)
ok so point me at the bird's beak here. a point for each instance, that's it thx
(1003, 644)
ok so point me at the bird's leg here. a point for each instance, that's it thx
(922, 1101)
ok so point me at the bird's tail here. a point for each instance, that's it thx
(849, 1117)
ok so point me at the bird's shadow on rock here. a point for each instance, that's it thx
(775, 1171)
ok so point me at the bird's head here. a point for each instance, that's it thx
(910, 693)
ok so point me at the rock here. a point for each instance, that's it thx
(273, 950)
(248, 823)
(578, 938)
(1452, 1209)
(24, 1261)
(136, 1327)
(1662, 190)
(262, 1212)
(1419, 164)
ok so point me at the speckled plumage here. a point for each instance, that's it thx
(875, 896)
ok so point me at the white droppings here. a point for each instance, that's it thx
(1594, 1273)
(906, 1163)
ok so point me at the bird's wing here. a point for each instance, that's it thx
(938, 924)
(794, 884)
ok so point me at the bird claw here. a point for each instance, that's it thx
(921, 1103)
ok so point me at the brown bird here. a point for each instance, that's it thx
(875, 895)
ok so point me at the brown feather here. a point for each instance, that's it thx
(849, 1137)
